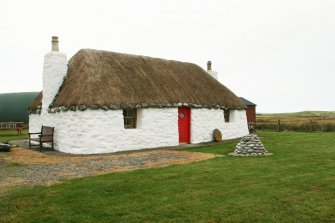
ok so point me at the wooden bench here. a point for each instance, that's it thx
(45, 136)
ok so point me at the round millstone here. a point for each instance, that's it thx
(217, 135)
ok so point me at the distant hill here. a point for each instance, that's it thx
(302, 114)
(13, 106)
(306, 121)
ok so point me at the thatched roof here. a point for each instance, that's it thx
(103, 78)
(37, 102)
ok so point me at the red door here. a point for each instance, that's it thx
(184, 119)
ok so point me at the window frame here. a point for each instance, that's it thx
(126, 116)
(226, 115)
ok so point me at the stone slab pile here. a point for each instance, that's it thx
(250, 145)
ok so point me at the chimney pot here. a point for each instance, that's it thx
(54, 46)
(209, 65)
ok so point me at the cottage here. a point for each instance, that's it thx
(102, 102)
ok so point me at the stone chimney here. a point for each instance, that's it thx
(54, 45)
(210, 71)
(209, 65)
(54, 71)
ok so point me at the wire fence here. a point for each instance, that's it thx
(305, 125)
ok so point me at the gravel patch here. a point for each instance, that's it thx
(31, 168)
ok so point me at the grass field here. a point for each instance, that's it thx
(7, 135)
(307, 121)
(296, 184)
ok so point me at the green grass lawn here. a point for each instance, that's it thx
(296, 184)
(7, 135)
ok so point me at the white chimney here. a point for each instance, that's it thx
(210, 71)
(54, 71)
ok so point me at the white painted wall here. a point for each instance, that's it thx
(97, 131)
(35, 123)
(204, 121)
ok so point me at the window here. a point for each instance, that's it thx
(226, 115)
(129, 118)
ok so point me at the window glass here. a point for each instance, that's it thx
(226, 115)
(129, 117)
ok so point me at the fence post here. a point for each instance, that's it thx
(311, 126)
(322, 122)
(279, 125)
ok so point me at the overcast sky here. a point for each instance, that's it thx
(277, 54)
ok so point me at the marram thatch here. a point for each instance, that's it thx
(36, 103)
(102, 78)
